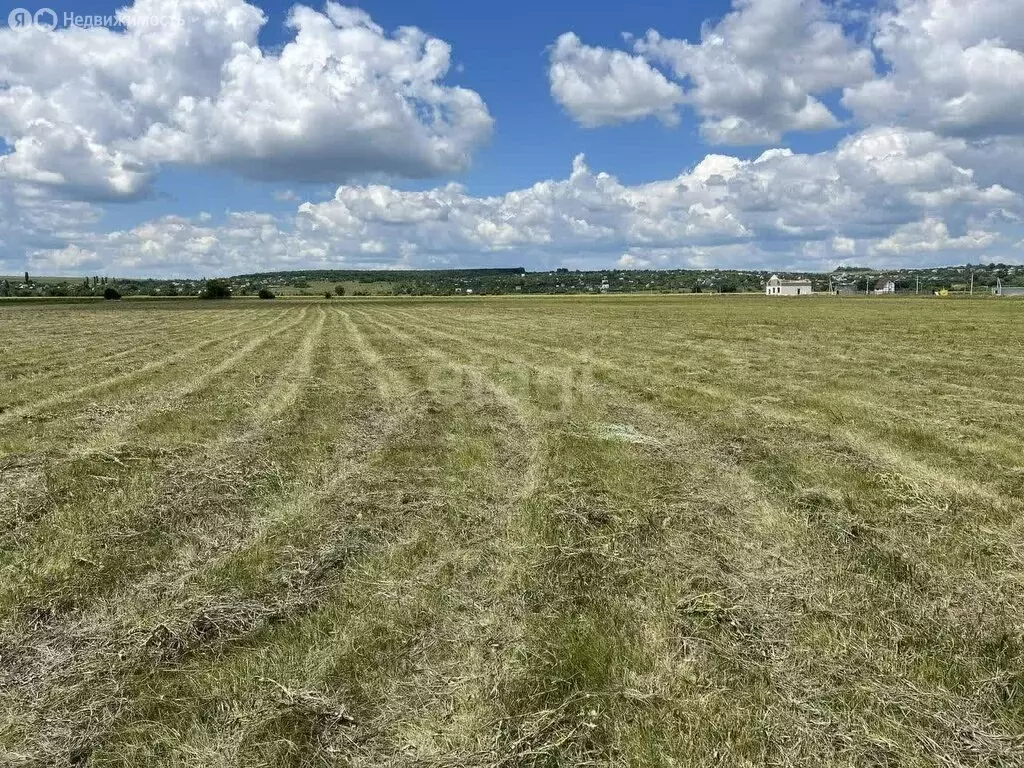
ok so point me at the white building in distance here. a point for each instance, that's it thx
(779, 287)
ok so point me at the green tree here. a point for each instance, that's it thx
(339, 289)
(111, 294)
(216, 289)
(266, 293)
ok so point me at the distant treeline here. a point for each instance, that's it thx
(378, 275)
(518, 280)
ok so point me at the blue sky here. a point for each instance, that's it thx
(770, 133)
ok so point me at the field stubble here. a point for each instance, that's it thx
(682, 531)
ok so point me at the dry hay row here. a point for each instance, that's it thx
(570, 551)
(308, 572)
(211, 619)
(391, 386)
(235, 458)
(514, 405)
(144, 521)
(111, 438)
(258, 448)
(132, 376)
(829, 446)
(402, 549)
(693, 349)
(137, 340)
(434, 562)
(545, 594)
(28, 491)
(53, 360)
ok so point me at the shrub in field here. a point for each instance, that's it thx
(339, 289)
(216, 289)
(111, 294)
(327, 294)
(266, 293)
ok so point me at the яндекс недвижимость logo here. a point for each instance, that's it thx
(22, 18)
(47, 19)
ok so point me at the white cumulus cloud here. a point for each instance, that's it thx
(94, 113)
(883, 191)
(954, 66)
(752, 77)
(598, 86)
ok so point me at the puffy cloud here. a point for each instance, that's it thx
(176, 245)
(752, 77)
(930, 236)
(954, 67)
(64, 260)
(31, 219)
(844, 246)
(629, 261)
(93, 113)
(598, 86)
(868, 197)
(754, 74)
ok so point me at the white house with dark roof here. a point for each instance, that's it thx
(778, 287)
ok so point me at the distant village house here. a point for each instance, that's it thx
(779, 287)
(885, 285)
(1008, 290)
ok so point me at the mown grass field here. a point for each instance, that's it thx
(681, 531)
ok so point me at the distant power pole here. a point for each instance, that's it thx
(867, 286)
(972, 283)
(918, 289)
